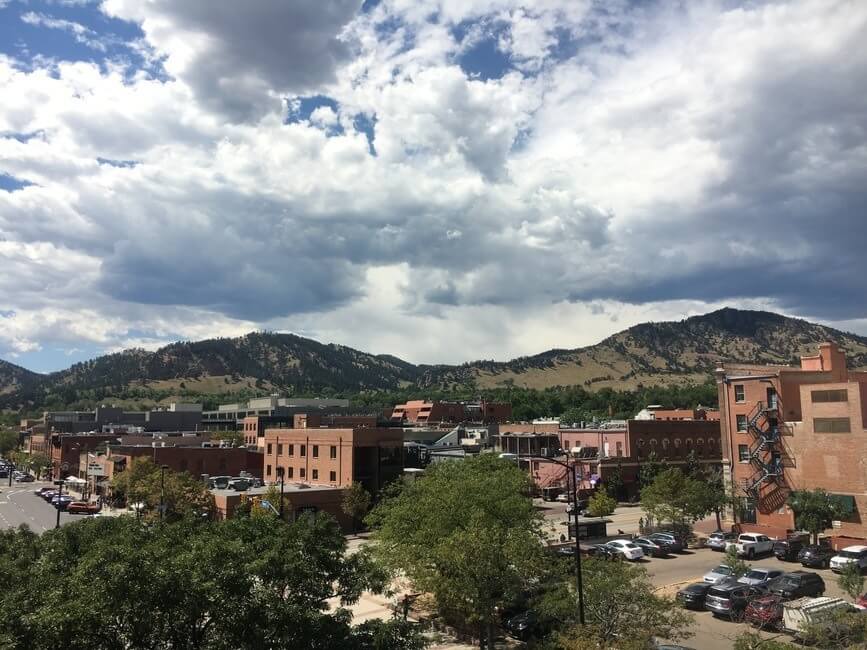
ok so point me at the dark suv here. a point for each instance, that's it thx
(816, 556)
(788, 549)
(796, 584)
(729, 599)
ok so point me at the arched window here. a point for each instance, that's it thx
(699, 446)
(677, 446)
(688, 445)
(665, 446)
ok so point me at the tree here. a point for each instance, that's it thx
(851, 581)
(735, 563)
(466, 532)
(649, 470)
(693, 467)
(234, 438)
(242, 583)
(814, 511)
(8, 442)
(614, 483)
(621, 609)
(601, 505)
(143, 482)
(839, 629)
(356, 503)
(676, 498)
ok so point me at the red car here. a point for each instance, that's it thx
(862, 601)
(765, 612)
(82, 508)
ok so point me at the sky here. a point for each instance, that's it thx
(443, 180)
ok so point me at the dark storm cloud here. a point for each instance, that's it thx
(244, 51)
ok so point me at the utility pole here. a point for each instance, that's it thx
(163, 469)
(59, 484)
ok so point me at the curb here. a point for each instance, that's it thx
(678, 584)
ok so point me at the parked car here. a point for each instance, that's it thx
(729, 599)
(797, 584)
(48, 495)
(61, 502)
(788, 549)
(551, 493)
(850, 554)
(765, 612)
(861, 601)
(676, 543)
(816, 556)
(627, 549)
(652, 547)
(82, 508)
(25, 478)
(605, 552)
(522, 626)
(692, 596)
(759, 576)
(42, 491)
(718, 540)
(752, 544)
(562, 497)
(717, 574)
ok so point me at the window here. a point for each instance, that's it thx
(332, 476)
(267, 470)
(743, 453)
(315, 451)
(291, 450)
(315, 474)
(831, 425)
(619, 448)
(280, 449)
(302, 472)
(741, 422)
(829, 395)
(333, 451)
(740, 395)
(748, 511)
(303, 450)
(699, 446)
(270, 448)
(289, 472)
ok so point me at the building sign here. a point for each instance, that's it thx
(94, 469)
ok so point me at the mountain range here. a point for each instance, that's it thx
(678, 352)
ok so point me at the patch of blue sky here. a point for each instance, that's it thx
(9, 183)
(299, 109)
(23, 138)
(484, 60)
(68, 32)
(366, 124)
(53, 358)
(117, 163)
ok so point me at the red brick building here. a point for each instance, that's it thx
(424, 412)
(211, 460)
(372, 456)
(253, 427)
(297, 500)
(787, 428)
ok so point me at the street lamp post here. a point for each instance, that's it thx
(282, 473)
(572, 486)
(59, 484)
(163, 469)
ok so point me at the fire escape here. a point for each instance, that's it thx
(766, 485)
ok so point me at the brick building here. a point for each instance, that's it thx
(424, 412)
(297, 500)
(787, 428)
(196, 460)
(372, 456)
(253, 427)
(620, 447)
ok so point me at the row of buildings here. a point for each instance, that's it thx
(778, 429)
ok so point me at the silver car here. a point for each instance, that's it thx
(717, 574)
(718, 540)
(759, 576)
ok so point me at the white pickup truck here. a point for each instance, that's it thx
(752, 544)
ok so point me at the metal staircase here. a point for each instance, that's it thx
(765, 452)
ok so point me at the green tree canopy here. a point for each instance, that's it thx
(851, 580)
(144, 482)
(356, 502)
(466, 532)
(814, 510)
(8, 441)
(119, 583)
(622, 611)
(601, 505)
(677, 498)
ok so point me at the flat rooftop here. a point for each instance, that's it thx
(288, 488)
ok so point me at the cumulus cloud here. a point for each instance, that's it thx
(240, 58)
(648, 158)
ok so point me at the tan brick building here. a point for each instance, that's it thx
(372, 456)
(787, 428)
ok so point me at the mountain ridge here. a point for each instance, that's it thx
(653, 353)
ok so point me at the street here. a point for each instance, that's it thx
(19, 505)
